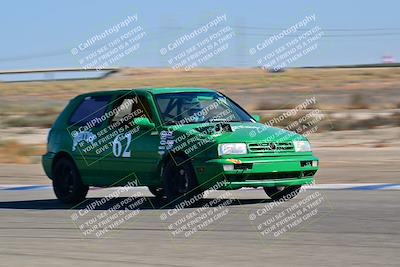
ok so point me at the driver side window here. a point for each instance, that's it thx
(123, 110)
(129, 108)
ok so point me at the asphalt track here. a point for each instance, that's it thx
(334, 228)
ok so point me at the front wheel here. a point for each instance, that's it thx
(179, 179)
(282, 193)
(67, 183)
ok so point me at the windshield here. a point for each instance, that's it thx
(199, 107)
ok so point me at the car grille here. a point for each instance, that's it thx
(271, 147)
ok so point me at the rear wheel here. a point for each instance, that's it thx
(282, 193)
(179, 179)
(67, 183)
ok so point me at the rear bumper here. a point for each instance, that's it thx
(258, 172)
(47, 161)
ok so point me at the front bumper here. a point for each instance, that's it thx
(267, 183)
(258, 171)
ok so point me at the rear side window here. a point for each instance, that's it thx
(90, 108)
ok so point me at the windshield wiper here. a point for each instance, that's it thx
(171, 122)
(205, 121)
(215, 120)
(221, 120)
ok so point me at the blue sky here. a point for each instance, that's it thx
(40, 34)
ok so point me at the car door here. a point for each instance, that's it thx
(133, 150)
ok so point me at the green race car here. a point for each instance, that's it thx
(176, 141)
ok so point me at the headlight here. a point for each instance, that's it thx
(232, 149)
(302, 146)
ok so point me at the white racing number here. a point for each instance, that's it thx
(117, 146)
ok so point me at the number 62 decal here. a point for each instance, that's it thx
(117, 146)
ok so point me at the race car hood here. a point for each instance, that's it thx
(237, 132)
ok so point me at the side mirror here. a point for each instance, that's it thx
(144, 123)
(256, 117)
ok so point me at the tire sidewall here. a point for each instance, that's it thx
(287, 193)
(79, 190)
(171, 167)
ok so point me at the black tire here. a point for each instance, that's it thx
(180, 180)
(67, 182)
(281, 193)
(157, 191)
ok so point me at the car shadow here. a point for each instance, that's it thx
(145, 203)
